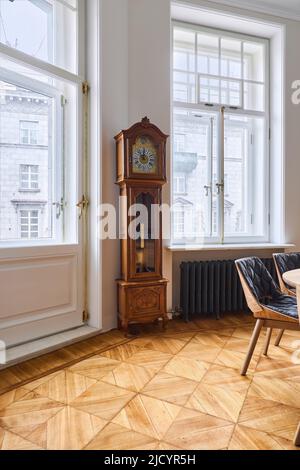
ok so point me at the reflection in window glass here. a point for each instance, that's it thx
(52, 26)
(26, 170)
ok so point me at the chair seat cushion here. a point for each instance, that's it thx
(283, 304)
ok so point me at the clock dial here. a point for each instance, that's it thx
(144, 156)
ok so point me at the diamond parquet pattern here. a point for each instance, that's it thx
(177, 389)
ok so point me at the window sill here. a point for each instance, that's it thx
(29, 190)
(230, 247)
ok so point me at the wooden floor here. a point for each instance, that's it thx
(175, 390)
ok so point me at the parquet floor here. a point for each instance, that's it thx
(180, 389)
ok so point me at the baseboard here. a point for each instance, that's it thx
(36, 348)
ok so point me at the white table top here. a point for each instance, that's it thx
(292, 278)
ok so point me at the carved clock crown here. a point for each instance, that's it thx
(141, 153)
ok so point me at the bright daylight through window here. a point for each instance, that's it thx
(40, 123)
(220, 136)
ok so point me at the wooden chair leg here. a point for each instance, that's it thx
(253, 342)
(279, 338)
(268, 339)
(297, 437)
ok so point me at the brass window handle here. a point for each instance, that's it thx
(82, 205)
(220, 187)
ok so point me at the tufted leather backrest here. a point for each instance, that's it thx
(258, 279)
(287, 261)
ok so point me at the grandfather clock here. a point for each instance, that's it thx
(141, 173)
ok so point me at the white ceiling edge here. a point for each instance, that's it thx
(257, 6)
(189, 11)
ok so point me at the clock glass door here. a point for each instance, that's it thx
(145, 245)
(146, 259)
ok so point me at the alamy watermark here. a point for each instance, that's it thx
(296, 92)
(146, 220)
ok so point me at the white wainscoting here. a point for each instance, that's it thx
(39, 295)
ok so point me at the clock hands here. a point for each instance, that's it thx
(144, 159)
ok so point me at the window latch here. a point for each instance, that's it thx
(220, 188)
(60, 205)
(82, 205)
(207, 190)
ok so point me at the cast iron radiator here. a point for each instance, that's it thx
(213, 287)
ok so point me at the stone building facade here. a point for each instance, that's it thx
(25, 164)
(194, 171)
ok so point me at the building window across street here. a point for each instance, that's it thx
(179, 185)
(29, 132)
(29, 224)
(29, 177)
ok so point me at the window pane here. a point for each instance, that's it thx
(184, 50)
(39, 112)
(184, 87)
(231, 58)
(254, 60)
(209, 90)
(254, 97)
(208, 54)
(192, 190)
(16, 174)
(52, 27)
(231, 93)
(245, 171)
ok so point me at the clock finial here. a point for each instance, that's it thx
(145, 120)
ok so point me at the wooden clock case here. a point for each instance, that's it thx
(142, 290)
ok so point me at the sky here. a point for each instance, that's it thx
(16, 20)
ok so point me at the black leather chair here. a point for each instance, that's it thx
(285, 262)
(270, 307)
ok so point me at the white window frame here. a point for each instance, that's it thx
(65, 233)
(215, 109)
(32, 170)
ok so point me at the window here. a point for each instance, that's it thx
(178, 222)
(29, 132)
(179, 142)
(221, 107)
(48, 33)
(179, 184)
(41, 119)
(29, 177)
(29, 224)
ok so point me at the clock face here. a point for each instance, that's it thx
(144, 156)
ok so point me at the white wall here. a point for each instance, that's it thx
(136, 82)
(114, 110)
(149, 78)
(292, 144)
